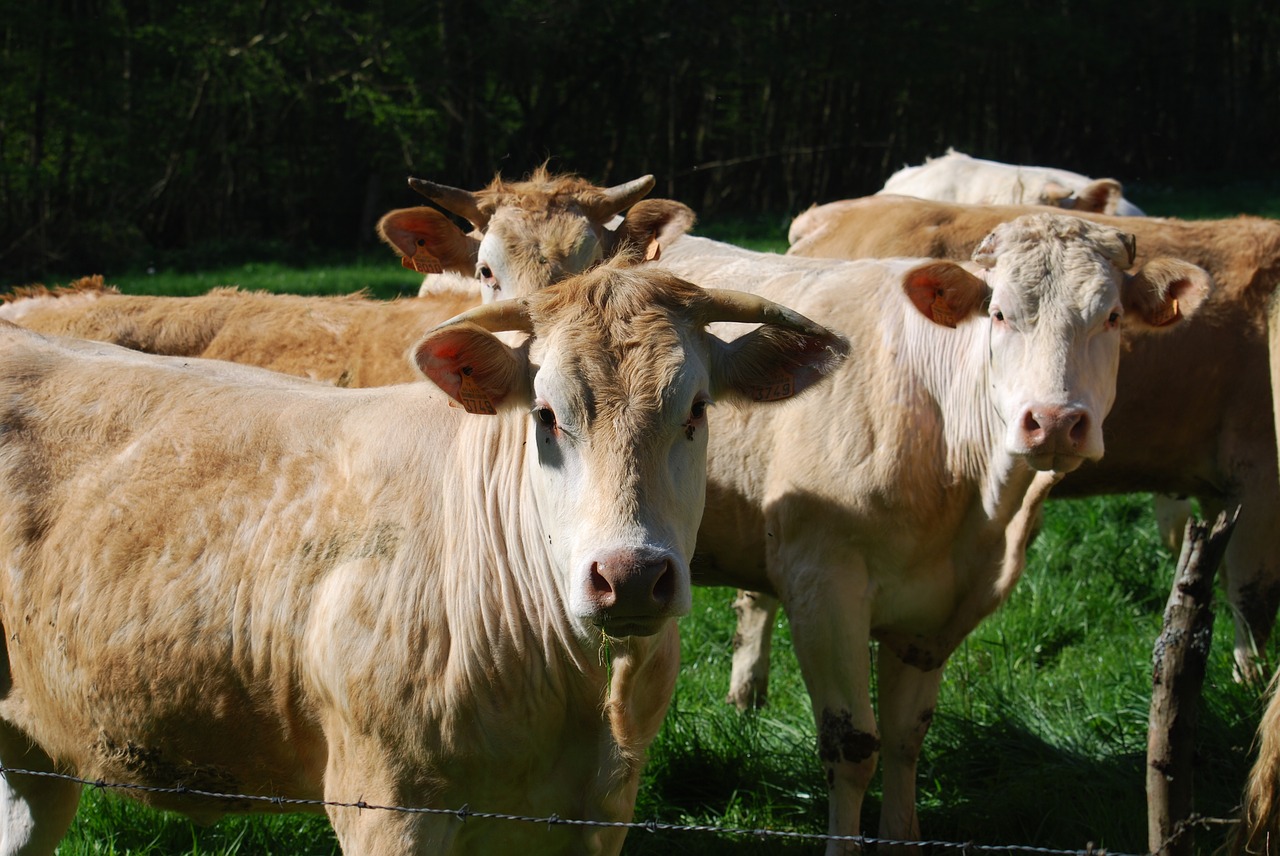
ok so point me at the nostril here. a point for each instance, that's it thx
(602, 591)
(1029, 422)
(664, 588)
(1079, 429)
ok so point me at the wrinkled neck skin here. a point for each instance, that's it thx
(520, 587)
(959, 379)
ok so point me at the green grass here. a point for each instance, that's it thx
(1039, 738)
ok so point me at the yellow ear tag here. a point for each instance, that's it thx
(422, 261)
(1170, 314)
(653, 252)
(941, 311)
(780, 386)
(473, 398)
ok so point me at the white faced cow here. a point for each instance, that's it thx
(894, 503)
(1192, 413)
(957, 177)
(225, 579)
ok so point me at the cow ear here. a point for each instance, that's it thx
(774, 362)
(1056, 195)
(428, 241)
(944, 292)
(1101, 196)
(473, 367)
(1163, 292)
(650, 225)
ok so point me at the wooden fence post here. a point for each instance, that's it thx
(1178, 667)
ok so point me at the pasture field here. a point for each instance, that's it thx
(1040, 734)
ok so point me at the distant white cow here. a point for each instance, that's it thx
(894, 503)
(221, 578)
(957, 177)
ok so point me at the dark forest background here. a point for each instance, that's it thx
(136, 130)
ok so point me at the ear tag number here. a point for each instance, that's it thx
(941, 310)
(473, 398)
(776, 388)
(1170, 314)
(422, 261)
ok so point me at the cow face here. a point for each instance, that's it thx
(528, 234)
(1055, 296)
(614, 387)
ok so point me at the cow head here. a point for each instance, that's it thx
(529, 234)
(614, 384)
(1052, 295)
(1099, 196)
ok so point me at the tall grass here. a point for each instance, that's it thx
(1039, 737)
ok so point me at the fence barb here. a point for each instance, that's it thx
(465, 813)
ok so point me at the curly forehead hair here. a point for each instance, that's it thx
(621, 326)
(539, 191)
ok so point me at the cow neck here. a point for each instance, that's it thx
(513, 585)
(955, 367)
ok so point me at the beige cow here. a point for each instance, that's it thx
(525, 234)
(957, 177)
(894, 503)
(225, 579)
(1193, 414)
(349, 340)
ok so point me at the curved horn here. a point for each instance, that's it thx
(621, 197)
(453, 200)
(729, 305)
(985, 254)
(495, 317)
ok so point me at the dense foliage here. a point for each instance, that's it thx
(129, 128)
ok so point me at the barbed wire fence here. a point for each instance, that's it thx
(465, 814)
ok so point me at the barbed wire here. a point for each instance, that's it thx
(465, 813)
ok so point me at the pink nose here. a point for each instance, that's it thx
(1048, 429)
(632, 584)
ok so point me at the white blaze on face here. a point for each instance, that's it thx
(620, 481)
(1054, 316)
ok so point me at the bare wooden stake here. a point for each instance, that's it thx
(1178, 666)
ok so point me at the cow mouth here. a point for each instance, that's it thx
(630, 625)
(1056, 462)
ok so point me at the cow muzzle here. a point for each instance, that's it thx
(632, 592)
(1053, 437)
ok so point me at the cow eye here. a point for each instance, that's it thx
(485, 273)
(545, 415)
(998, 315)
(1113, 319)
(699, 410)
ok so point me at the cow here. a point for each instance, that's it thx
(1193, 408)
(525, 234)
(348, 340)
(957, 177)
(894, 503)
(220, 578)
(1259, 829)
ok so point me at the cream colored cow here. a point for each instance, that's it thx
(894, 503)
(957, 177)
(225, 579)
(1193, 408)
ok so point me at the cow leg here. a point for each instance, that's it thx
(906, 700)
(36, 811)
(749, 682)
(1171, 513)
(352, 775)
(830, 617)
(1250, 572)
